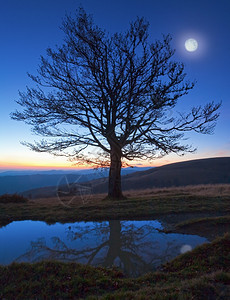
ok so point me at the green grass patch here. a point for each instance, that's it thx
(215, 221)
(147, 208)
(209, 227)
(205, 257)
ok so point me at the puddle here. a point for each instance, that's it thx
(134, 246)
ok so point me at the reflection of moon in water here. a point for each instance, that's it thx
(191, 45)
(185, 248)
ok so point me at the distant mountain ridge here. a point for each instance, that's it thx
(40, 179)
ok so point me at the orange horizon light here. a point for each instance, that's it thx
(65, 166)
(27, 166)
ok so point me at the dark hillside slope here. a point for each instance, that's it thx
(193, 172)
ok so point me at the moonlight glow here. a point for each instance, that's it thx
(191, 45)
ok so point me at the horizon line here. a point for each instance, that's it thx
(26, 167)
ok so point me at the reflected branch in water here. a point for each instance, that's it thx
(126, 245)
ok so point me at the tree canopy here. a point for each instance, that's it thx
(112, 92)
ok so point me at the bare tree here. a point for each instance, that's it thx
(113, 92)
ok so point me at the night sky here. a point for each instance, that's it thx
(28, 27)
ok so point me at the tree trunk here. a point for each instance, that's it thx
(114, 188)
(114, 243)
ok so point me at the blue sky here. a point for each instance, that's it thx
(28, 27)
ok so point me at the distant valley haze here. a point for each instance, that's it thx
(17, 181)
(44, 183)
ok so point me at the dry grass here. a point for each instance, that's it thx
(77, 200)
(209, 190)
(15, 198)
(182, 203)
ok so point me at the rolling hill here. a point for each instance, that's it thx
(193, 172)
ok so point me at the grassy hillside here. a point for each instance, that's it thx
(193, 172)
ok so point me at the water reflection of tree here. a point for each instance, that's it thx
(118, 243)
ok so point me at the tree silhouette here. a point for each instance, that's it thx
(111, 92)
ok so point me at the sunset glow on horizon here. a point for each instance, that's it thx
(64, 166)
(15, 165)
(24, 165)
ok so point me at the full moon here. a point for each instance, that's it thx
(191, 45)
